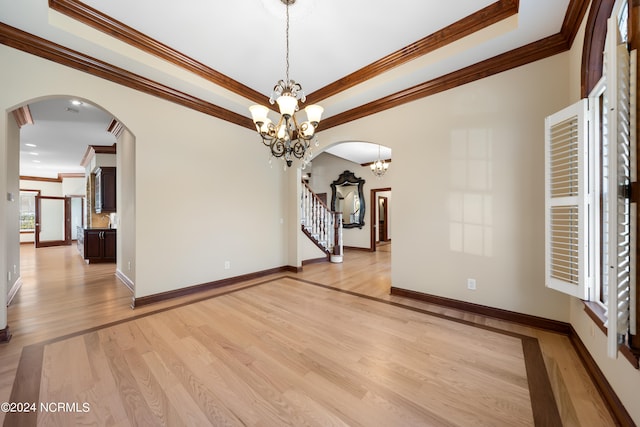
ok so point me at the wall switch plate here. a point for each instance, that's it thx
(227, 265)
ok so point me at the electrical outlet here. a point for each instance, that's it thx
(227, 265)
(471, 284)
(129, 265)
(8, 276)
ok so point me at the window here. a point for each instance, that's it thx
(28, 210)
(590, 221)
(568, 237)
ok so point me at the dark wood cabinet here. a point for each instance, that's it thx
(99, 245)
(105, 189)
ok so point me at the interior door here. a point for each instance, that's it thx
(53, 221)
(382, 219)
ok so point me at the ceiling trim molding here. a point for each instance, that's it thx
(39, 178)
(94, 18)
(512, 59)
(115, 128)
(544, 48)
(22, 115)
(92, 150)
(63, 175)
(370, 163)
(594, 40)
(535, 51)
(477, 21)
(21, 40)
(483, 18)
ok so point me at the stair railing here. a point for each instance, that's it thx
(321, 224)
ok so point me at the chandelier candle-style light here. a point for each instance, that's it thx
(379, 167)
(287, 138)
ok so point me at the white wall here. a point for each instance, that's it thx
(12, 236)
(5, 123)
(468, 187)
(126, 203)
(187, 220)
(74, 186)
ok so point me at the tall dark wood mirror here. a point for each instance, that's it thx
(347, 197)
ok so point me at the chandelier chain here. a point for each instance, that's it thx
(287, 138)
(287, 48)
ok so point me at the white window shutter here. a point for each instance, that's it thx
(621, 258)
(567, 200)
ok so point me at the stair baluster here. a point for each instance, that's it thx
(320, 224)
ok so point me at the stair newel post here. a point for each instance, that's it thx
(337, 254)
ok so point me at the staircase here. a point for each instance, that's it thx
(320, 224)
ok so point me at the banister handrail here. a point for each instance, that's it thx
(322, 225)
(317, 197)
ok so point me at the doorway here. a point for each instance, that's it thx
(380, 217)
(383, 214)
(53, 221)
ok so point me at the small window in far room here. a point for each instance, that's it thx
(28, 210)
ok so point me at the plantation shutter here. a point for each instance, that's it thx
(567, 201)
(621, 260)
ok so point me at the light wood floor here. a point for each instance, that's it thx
(306, 349)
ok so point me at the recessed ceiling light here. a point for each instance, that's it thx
(36, 161)
(76, 102)
(31, 145)
(33, 153)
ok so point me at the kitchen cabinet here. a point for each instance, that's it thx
(99, 245)
(105, 189)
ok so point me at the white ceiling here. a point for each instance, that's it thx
(60, 135)
(245, 40)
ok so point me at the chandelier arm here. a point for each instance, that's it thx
(288, 139)
(299, 148)
(278, 148)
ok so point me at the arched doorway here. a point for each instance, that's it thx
(357, 157)
(55, 144)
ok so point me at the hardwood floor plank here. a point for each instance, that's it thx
(328, 346)
(127, 387)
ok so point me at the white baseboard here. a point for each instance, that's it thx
(14, 290)
(124, 279)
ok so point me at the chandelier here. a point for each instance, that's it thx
(379, 167)
(287, 138)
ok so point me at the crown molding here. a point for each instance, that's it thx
(477, 21)
(40, 178)
(92, 150)
(544, 48)
(530, 53)
(22, 115)
(96, 19)
(115, 128)
(535, 51)
(26, 42)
